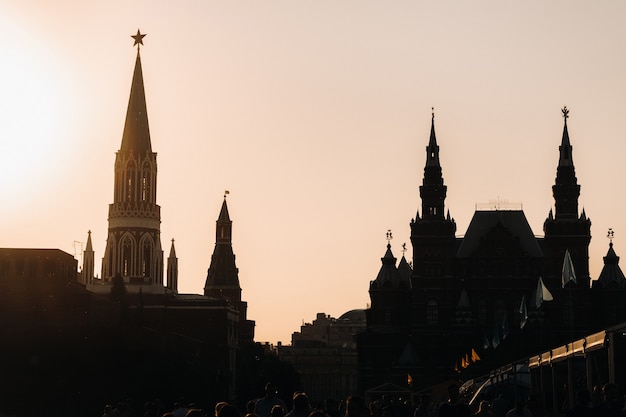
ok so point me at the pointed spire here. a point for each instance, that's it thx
(172, 270)
(433, 190)
(611, 275)
(224, 227)
(88, 261)
(223, 275)
(565, 150)
(89, 246)
(172, 250)
(136, 136)
(432, 150)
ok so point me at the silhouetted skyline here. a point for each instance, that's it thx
(315, 117)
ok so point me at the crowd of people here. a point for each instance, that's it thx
(603, 402)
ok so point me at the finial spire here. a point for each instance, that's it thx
(565, 112)
(138, 39)
(433, 112)
(389, 237)
(610, 236)
(226, 192)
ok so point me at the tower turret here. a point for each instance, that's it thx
(172, 270)
(432, 234)
(567, 229)
(88, 261)
(222, 279)
(133, 246)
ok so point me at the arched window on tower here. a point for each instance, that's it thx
(126, 257)
(146, 259)
(432, 312)
(130, 181)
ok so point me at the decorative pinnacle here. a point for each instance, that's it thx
(226, 192)
(389, 236)
(565, 112)
(138, 38)
(433, 112)
(404, 248)
(610, 235)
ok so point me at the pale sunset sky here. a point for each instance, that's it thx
(315, 115)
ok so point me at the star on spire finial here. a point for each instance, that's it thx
(138, 38)
(565, 112)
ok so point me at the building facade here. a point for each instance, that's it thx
(467, 304)
(324, 355)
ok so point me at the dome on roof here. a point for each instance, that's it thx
(356, 316)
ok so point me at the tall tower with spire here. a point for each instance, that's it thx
(133, 247)
(222, 279)
(566, 229)
(432, 234)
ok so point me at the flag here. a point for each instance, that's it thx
(475, 356)
(505, 326)
(568, 273)
(495, 341)
(463, 363)
(542, 293)
(409, 380)
(523, 313)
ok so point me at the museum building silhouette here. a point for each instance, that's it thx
(465, 305)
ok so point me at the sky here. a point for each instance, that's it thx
(315, 115)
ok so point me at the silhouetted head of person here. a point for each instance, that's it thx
(228, 410)
(194, 412)
(270, 390)
(318, 413)
(610, 393)
(277, 411)
(219, 406)
(300, 401)
(354, 406)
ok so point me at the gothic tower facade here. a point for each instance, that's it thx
(567, 229)
(133, 247)
(432, 234)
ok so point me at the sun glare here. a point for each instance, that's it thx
(30, 100)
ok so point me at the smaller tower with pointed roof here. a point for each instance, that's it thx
(172, 270)
(389, 293)
(223, 275)
(88, 261)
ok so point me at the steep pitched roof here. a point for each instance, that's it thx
(484, 222)
(611, 275)
(136, 136)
